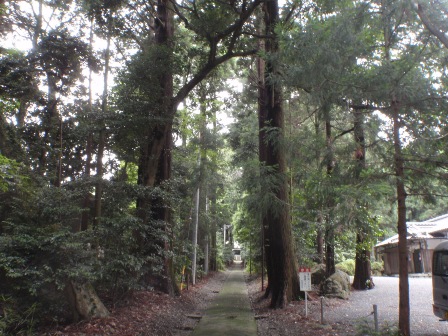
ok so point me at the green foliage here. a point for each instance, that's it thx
(347, 266)
(62, 56)
(14, 321)
(332, 58)
(366, 328)
(40, 251)
(227, 255)
(211, 17)
(16, 75)
(377, 267)
(10, 174)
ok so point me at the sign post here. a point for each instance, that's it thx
(305, 284)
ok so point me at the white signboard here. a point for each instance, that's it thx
(305, 279)
(305, 284)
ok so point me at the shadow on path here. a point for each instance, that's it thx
(230, 312)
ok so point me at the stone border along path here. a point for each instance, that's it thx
(230, 312)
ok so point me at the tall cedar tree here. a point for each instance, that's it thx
(403, 307)
(280, 257)
(155, 158)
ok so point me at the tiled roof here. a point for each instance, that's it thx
(421, 230)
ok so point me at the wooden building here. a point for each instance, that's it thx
(423, 237)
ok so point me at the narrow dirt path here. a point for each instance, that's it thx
(230, 312)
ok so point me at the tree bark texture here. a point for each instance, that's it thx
(283, 281)
(262, 155)
(330, 265)
(203, 176)
(362, 258)
(404, 308)
(155, 153)
(213, 211)
(320, 237)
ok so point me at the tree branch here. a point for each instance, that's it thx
(430, 25)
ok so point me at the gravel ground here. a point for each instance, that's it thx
(350, 317)
(385, 295)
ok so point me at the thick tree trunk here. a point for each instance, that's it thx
(283, 281)
(162, 212)
(4, 137)
(330, 265)
(262, 155)
(362, 263)
(319, 246)
(23, 110)
(155, 153)
(204, 227)
(362, 258)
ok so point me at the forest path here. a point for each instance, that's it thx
(230, 312)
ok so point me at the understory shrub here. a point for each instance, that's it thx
(347, 266)
(377, 267)
(41, 252)
(16, 321)
(366, 328)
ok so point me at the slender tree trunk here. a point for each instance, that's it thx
(320, 244)
(39, 20)
(431, 25)
(404, 309)
(330, 266)
(362, 258)
(320, 234)
(195, 237)
(102, 137)
(89, 144)
(49, 163)
(50, 121)
(213, 212)
(284, 284)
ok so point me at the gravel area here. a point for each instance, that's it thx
(385, 295)
(350, 317)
